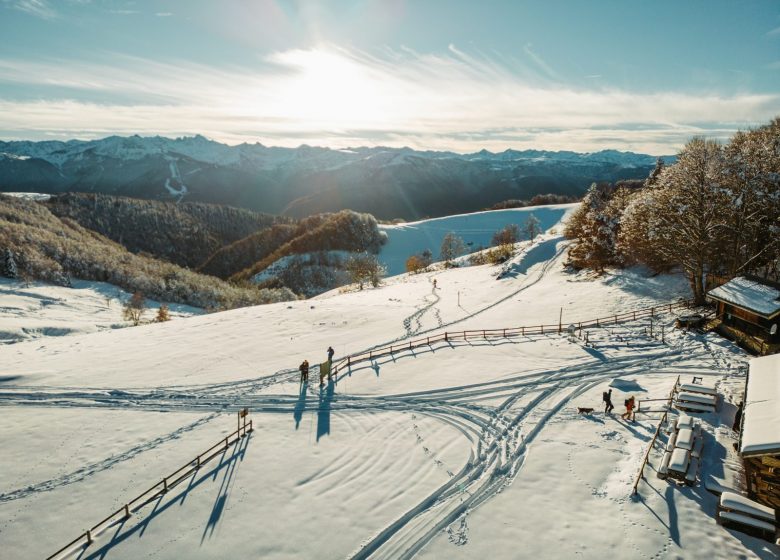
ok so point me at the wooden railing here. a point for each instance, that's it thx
(160, 488)
(375, 353)
(640, 475)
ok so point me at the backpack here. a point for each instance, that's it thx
(605, 396)
(626, 403)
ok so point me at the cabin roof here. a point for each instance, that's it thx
(749, 294)
(761, 422)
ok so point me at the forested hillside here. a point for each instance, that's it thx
(185, 234)
(37, 245)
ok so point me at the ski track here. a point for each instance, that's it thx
(498, 436)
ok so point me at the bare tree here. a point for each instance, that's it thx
(532, 227)
(134, 308)
(163, 314)
(451, 248)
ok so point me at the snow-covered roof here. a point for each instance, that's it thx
(761, 424)
(749, 294)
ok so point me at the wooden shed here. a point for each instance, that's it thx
(750, 305)
(760, 435)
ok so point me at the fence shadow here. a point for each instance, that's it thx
(170, 499)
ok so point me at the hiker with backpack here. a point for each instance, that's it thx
(606, 396)
(304, 368)
(330, 354)
(629, 413)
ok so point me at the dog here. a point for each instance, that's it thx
(584, 410)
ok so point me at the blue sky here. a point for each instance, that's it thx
(435, 74)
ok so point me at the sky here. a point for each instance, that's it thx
(430, 74)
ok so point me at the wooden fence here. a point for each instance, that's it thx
(160, 488)
(558, 328)
(640, 475)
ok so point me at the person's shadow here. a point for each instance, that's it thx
(323, 412)
(300, 405)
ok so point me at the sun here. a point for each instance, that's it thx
(330, 89)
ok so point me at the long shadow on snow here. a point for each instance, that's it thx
(539, 254)
(323, 412)
(300, 405)
(159, 508)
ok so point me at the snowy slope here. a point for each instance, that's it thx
(465, 449)
(38, 310)
(476, 230)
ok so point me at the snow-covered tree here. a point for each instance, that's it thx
(9, 267)
(692, 208)
(451, 248)
(532, 227)
(364, 268)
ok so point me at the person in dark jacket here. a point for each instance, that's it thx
(304, 367)
(738, 418)
(607, 398)
(330, 353)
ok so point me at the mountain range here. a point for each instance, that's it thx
(386, 182)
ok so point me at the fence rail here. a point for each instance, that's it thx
(352, 359)
(641, 474)
(160, 488)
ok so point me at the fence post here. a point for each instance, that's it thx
(615, 319)
(410, 345)
(127, 511)
(197, 462)
(165, 484)
(542, 329)
(89, 536)
(484, 335)
(634, 315)
(445, 337)
(522, 331)
(428, 340)
(504, 333)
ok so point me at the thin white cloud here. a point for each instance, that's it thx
(539, 61)
(336, 97)
(37, 8)
(164, 14)
(774, 32)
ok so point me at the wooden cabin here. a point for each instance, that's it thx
(750, 306)
(760, 435)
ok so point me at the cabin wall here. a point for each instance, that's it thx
(763, 479)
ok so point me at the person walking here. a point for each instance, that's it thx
(607, 398)
(434, 283)
(628, 414)
(330, 354)
(304, 367)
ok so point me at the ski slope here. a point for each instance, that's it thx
(460, 450)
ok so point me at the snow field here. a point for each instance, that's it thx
(42, 310)
(461, 450)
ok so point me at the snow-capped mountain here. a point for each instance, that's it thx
(388, 182)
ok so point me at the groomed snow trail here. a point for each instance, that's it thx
(497, 435)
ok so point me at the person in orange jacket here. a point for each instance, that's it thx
(629, 413)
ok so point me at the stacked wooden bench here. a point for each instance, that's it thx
(694, 397)
(747, 516)
(683, 451)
